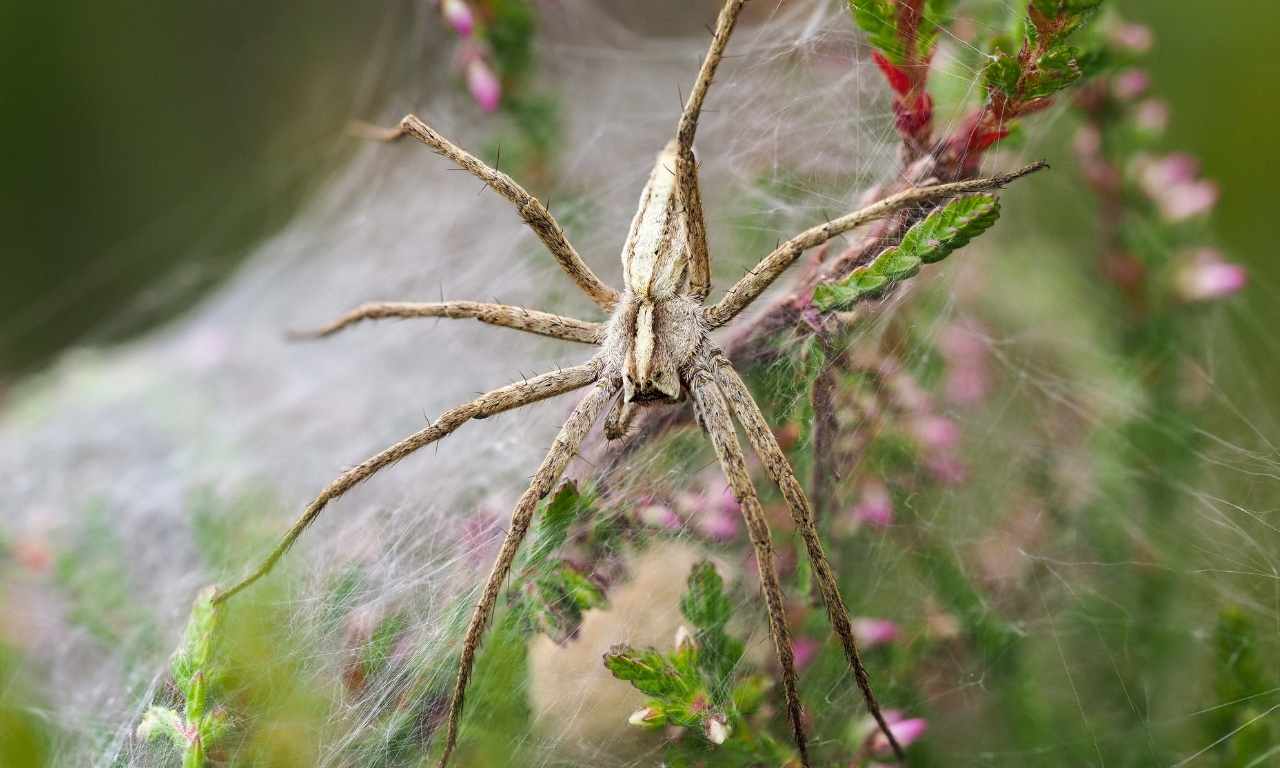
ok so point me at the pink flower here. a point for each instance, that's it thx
(715, 510)
(1172, 182)
(1130, 84)
(719, 526)
(875, 506)
(459, 16)
(658, 516)
(1186, 201)
(907, 732)
(947, 469)
(1206, 276)
(872, 633)
(935, 433)
(805, 650)
(1136, 38)
(1152, 116)
(1157, 175)
(483, 84)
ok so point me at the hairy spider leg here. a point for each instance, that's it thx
(760, 277)
(563, 449)
(714, 412)
(530, 208)
(766, 446)
(519, 318)
(493, 402)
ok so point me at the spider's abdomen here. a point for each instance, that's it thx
(656, 257)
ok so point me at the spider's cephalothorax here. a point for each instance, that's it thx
(654, 349)
(658, 327)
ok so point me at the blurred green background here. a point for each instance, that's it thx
(150, 145)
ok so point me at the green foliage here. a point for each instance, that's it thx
(692, 686)
(555, 592)
(26, 737)
(942, 232)
(199, 725)
(707, 607)
(883, 23)
(1241, 677)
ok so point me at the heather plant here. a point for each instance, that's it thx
(1010, 447)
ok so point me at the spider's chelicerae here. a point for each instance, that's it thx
(654, 348)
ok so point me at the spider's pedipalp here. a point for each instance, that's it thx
(562, 450)
(491, 403)
(530, 208)
(752, 284)
(766, 446)
(715, 417)
(519, 318)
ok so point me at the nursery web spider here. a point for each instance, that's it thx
(654, 348)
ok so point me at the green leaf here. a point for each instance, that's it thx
(945, 230)
(878, 19)
(191, 661)
(581, 591)
(705, 603)
(1002, 74)
(707, 606)
(1052, 72)
(647, 670)
(162, 722)
(553, 524)
(951, 227)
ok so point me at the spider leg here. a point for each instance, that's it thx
(693, 105)
(752, 284)
(534, 213)
(716, 420)
(775, 462)
(491, 403)
(564, 448)
(531, 320)
(687, 166)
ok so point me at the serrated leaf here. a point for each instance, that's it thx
(1002, 74)
(951, 227)
(557, 515)
(705, 603)
(897, 264)
(1052, 72)
(647, 670)
(945, 230)
(163, 723)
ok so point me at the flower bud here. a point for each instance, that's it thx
(1134, 38)
(483, 84)
(1130, 84)
(459, 16)
(875, 506)
(648, 717)
(871, 633)
(1206, 276)
(1152, 116)
(907, 732)
(804, 650)
(717, 729)
(684, 639)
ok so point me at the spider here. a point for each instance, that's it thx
(655, 348)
